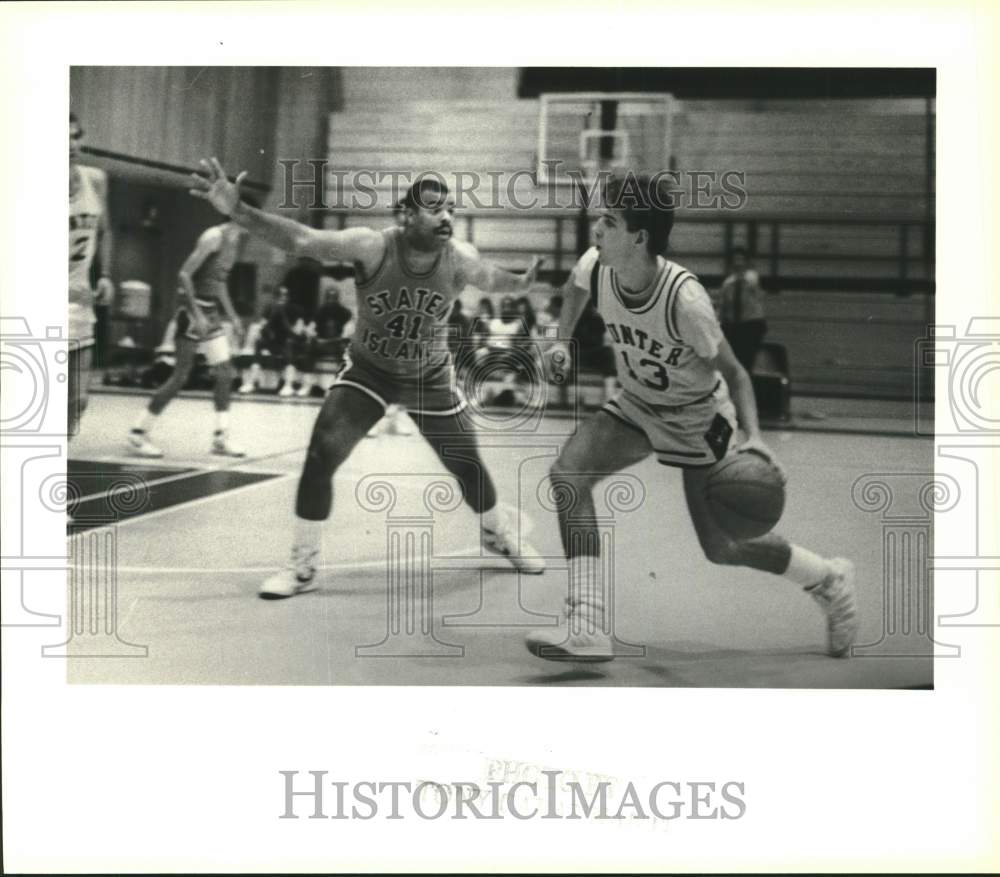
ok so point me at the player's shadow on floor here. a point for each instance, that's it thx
(698, 652)
(565, 676)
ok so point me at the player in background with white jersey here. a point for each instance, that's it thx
(204, 293)
(683, 397)
(89, 231)
(407, 278)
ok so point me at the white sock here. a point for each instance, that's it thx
(492, 519)
(145, 421)
(585, 585)
(221, 421)
(307, 534)
(805, 568)
(289, 374)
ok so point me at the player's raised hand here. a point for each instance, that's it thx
(216, 188)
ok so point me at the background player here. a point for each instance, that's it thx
(89, 229)
(203, 286)
(676, 371)
(407, 278)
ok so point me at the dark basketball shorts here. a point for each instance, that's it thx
(434, 392)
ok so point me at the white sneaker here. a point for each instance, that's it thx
(580, 637)
(502, 542)
(304, 391)
(224, 448)
(298, 576)
(286, 391)
(375, 431)
(141, 446)
(246, 388)
(838, 598)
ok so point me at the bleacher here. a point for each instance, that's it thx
(837, 216)
(838, 213)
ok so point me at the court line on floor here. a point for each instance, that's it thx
(277, 479)
(187, 473)
(125, 488)
(128, 614)
(183, 506)
(467, 554)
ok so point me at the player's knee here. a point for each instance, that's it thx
(567, 486)
(326, 449)
(559, 470)
(563, 471)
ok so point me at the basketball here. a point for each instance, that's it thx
(746, 495)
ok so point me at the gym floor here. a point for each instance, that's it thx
(191, 554)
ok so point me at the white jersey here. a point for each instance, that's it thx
(663, 344)
(85, 209)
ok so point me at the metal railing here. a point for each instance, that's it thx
(760, 235)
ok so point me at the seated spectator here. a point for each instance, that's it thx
(507, 328)
(325, 336)
(480, 331)
(303, 334)
(548, 316)
(332, 318)
(459, 332)
(251, 343)
(526, 312)
(507, 352)
(282, 323)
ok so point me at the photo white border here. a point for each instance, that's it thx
(185, 778)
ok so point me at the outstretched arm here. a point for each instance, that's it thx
(350, 245)
(575, 294)
(741, 391)
(486, 276)
(574, 304)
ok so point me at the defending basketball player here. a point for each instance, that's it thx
(203, 289)
(89, 230)
(684, 397)
(407, 278)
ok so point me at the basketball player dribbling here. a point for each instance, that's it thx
(407, 278)
(203, 286)
(683, 397)
(89, 229)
